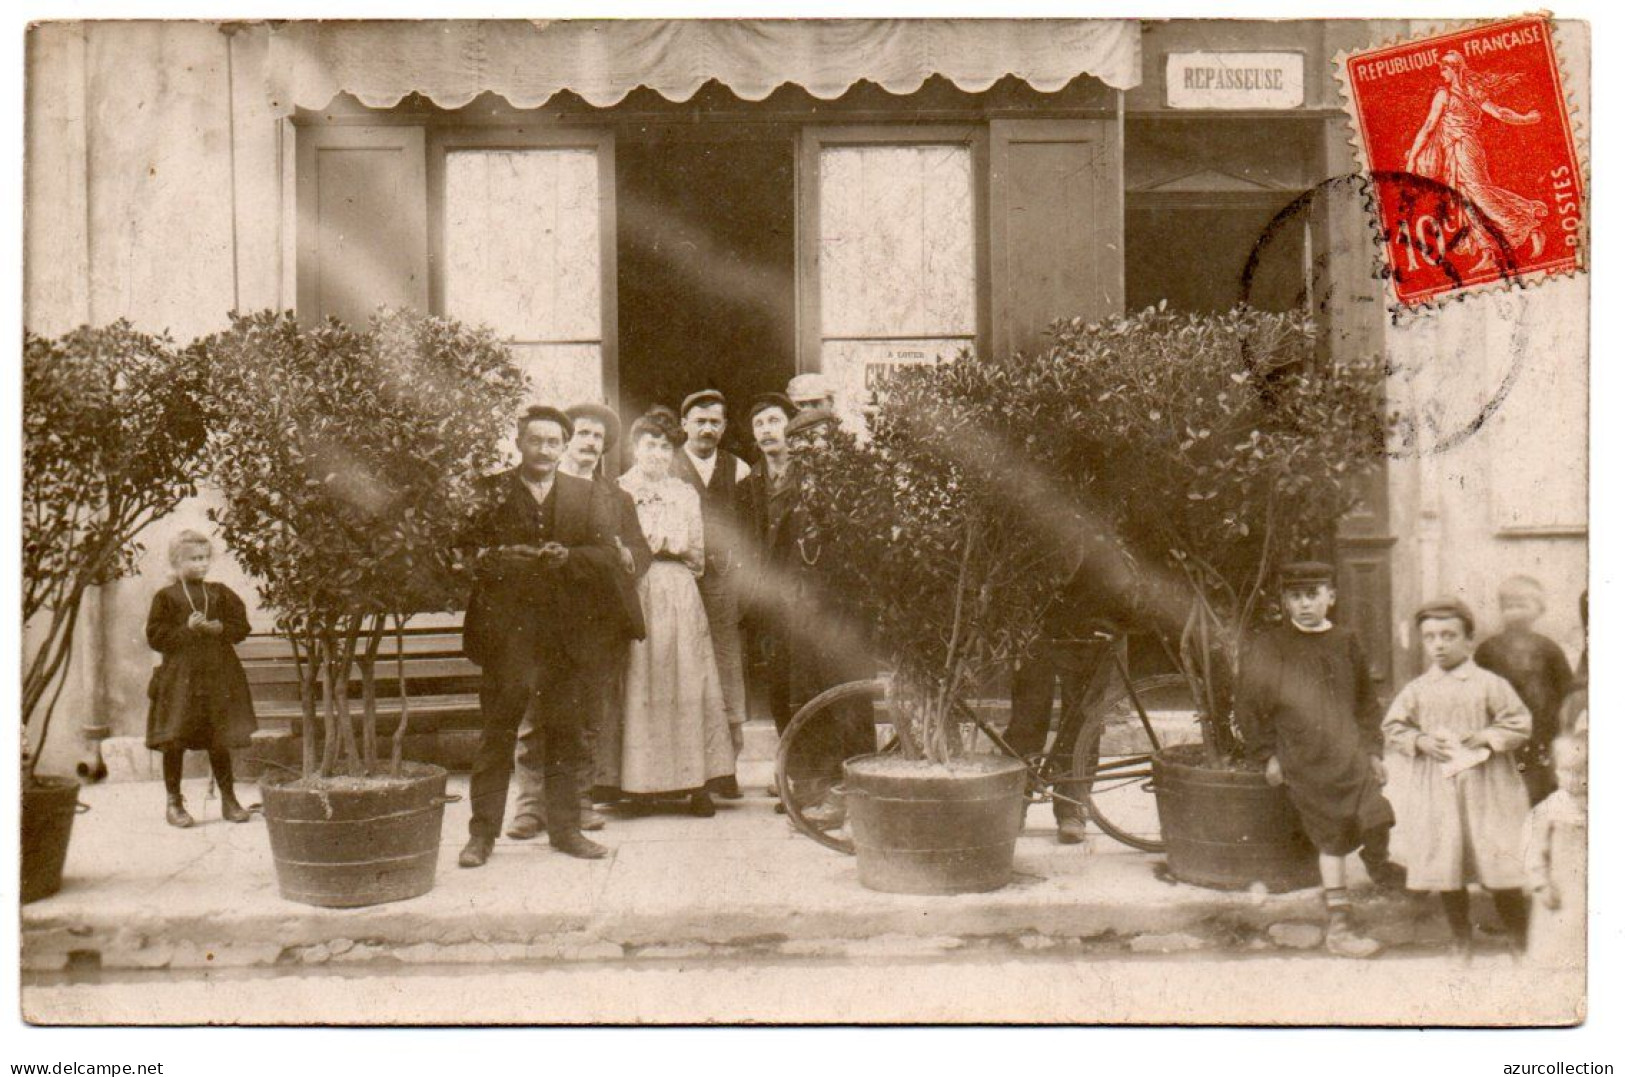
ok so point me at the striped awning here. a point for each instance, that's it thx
(527, 63)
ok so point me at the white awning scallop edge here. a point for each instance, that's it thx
(453, 61)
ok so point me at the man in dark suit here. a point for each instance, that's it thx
(596, 429)
(1084, 621)
(810, 639)
(544, 599)
(716, 475)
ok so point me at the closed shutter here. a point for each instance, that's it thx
(363, 212)
(1056, 226)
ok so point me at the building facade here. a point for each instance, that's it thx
(644, 208)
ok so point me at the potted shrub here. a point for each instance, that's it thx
(1223, 445)
(914, 525)
(112, 437)
(347, 460)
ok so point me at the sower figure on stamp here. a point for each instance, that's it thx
(547, 562)
(716, 474)
(1448, 148)
(1307, 707)
(597, 429)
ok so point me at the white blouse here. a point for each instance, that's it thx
(669, 513)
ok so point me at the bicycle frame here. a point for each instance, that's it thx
(1040, 770)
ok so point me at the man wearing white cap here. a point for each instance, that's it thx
(808, 391)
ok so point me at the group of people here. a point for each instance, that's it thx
(610, 616)
(610, 613)
(1482, 734)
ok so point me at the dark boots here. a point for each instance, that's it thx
(1386, 874)
(564, 823)
(230, 810)
(176, 814)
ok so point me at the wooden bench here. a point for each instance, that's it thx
(441, 685)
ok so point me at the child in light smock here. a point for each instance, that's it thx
(1555, 858)
(1462, 727)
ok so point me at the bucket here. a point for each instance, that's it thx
(919, 828)
(356, 841)
(1230, 829)
(49, 805)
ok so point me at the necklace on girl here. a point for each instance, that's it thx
(186, 589)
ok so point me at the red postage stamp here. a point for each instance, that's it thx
(1466, 139)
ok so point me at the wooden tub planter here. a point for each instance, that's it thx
(1227, 828)
(343, 842)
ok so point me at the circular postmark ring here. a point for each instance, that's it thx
(1412, 436)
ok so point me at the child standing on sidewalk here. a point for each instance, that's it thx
(1537, 669)
(1306, 705)
(1463, 726)
(1555, 856)
(199, 695)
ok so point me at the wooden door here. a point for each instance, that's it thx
(1055, 226)
(362, 215)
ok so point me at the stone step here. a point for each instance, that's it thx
(138, 894)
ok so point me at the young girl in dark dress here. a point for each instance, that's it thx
(199, 695)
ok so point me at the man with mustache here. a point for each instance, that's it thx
(545, 594)
(716, 475)
(596, 431)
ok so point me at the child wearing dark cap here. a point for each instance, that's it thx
(1308, 709)
(1463, 725)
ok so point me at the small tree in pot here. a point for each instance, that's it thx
(1223, 445)
(1173, 459)
(348, 460)
(112, 439)
(947, 553)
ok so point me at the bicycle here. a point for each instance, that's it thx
(1107, 773)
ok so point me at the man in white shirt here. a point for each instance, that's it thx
(715, 473)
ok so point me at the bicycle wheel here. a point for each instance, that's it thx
(831, 728)
(1113, 754)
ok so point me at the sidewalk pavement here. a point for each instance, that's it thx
(139, 894)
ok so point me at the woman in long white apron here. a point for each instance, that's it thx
(674, 738)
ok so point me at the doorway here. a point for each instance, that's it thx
(707, 271)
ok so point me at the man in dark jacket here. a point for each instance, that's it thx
(811, 641)
(1085, 618)
(596, 429)
(545, 599)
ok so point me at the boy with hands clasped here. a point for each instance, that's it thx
(1306, 705)
(1463, 725)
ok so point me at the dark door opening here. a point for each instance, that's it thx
(706, 288)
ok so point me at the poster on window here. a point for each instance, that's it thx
(860, 369)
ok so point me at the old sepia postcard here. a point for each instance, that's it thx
(806, 521)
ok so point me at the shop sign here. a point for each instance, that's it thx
(1235, 80)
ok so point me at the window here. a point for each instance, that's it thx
(896, 254)
(522, 255)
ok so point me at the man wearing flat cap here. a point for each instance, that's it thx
(596, 429)
(545, 594)
(716, 475)
(809, 644)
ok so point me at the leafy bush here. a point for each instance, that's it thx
(112, 438)
(348, 460)
(1224, 445)
(1174, 459)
